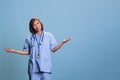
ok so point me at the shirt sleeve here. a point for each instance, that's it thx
(53, 42)
(26, 46)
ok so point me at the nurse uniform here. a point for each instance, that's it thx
(39, 48)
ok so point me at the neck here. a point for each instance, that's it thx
(39, 32)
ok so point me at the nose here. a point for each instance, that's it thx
(36, 26)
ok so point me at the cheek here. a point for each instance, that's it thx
(34, 27)
(40, 26)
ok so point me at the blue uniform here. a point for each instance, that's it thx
(39, 48)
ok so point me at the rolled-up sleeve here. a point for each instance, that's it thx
(26, 46)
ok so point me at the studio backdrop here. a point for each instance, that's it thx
(94, 26)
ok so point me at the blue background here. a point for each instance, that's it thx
(94, 26)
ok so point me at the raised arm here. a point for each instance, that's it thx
(16, 51)
(61, 44)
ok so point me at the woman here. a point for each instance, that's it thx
(38, 46)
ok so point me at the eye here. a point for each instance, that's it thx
(38, 23)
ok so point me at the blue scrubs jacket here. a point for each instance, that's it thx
(40, 62)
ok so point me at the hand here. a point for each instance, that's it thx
(66, 39)
(9, 50)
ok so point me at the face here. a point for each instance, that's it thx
(37, 26)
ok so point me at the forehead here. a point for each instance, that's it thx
(36, 21)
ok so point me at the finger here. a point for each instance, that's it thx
(67, 39)
(7, 49)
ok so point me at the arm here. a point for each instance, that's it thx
(16, 51)
(61, 44)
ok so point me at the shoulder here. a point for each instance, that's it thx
(48, 33)
(29, 36)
